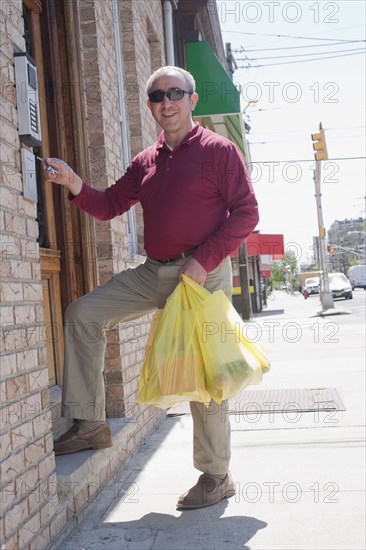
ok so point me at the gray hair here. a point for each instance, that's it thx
(170, 70)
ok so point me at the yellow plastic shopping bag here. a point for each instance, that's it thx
(231, 361)
(173, 368)
(218, 302)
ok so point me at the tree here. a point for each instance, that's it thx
(278, 273)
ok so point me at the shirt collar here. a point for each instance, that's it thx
(193, 134)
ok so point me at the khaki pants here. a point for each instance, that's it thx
(129, 295)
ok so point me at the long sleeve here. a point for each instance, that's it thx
(242, 206)
(114, 201)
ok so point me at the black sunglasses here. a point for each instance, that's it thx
(173, 94)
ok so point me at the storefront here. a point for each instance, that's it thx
(262, 249)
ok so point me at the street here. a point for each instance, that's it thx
(356, 305)
(299, 473)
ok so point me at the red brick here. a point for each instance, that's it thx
(15, 517)
(5, 269)
(12, 467)
(29, 208)
(32, 229)
(8, 496)
(14, 224)
(7, 315)
(27, 360)
(47, 466)
(13, 337)
(16, 387)
(48, 443)
(11, 292)
(38, 379)
(29, 530)
(36, 270)
(88, 27)
(34, 452)
(42, 424)
(27, 485)
(5, 444)
(42, 539)
(12, 543)
(11, 414)
(8, 199)
(48, 511)
(20, 269)
(24, 314)
(32, 292)
(58, 523)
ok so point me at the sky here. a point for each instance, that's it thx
(286, 102)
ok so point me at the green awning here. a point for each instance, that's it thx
(216, 90)
(219, 99)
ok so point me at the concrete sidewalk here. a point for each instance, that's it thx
(299, 475)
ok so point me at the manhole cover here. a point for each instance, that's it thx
(279, 400)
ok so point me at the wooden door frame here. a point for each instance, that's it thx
(66, 269)
(64, 135)
(80, 140)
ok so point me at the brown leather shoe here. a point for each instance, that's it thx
(208, 491)
(72, 441)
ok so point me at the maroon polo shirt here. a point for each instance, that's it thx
(197, 195)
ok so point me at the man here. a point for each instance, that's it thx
(198, 206)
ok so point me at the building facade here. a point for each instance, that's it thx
(346, 244)
(91, 61)
(75, 73)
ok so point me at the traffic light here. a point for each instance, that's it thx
(330, 249)
(319, 145)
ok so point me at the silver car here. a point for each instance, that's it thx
(339, 286)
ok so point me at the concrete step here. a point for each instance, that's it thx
(81, 476)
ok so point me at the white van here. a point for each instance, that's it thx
(357, 276)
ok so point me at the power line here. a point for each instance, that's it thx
(299, 61)
(245, 50)
(297, 55)
(298, 140)
(346, 128)
(302, 131)
(289, 36)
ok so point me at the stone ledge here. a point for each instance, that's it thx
(81, 477)
(76, 473)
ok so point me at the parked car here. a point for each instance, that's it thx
(357, 276)
(312, 284)
(339, 286)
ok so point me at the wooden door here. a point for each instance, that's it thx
(63, 230)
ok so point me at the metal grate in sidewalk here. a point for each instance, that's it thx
(287, 400)
(277, 400)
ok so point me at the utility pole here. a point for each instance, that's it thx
(321, 153)
(246, 306)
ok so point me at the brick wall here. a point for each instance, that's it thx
(31, 513)
(27, 460)
(141, 26)
(143, 50)
(124, 353)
